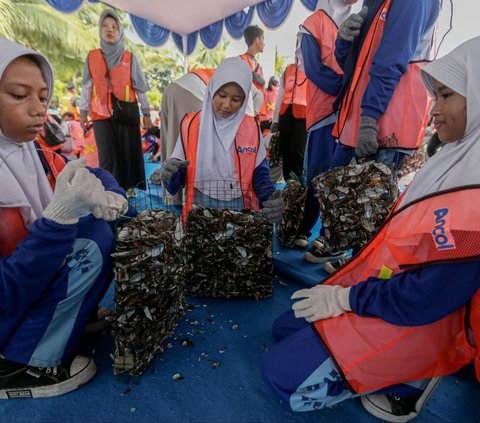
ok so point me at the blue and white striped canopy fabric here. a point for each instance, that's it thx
(154, 28)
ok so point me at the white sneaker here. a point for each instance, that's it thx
(390, 408)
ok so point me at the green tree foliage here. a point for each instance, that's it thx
(66, 40)
(280, 63)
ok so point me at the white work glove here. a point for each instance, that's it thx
(367, 143)
(170, 166)
(350, 27)
(273, 207)
(115, 206)
(77, 192)
(321, 302)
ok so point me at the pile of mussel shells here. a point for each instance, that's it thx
(354, 200)
(275, 151)
(227, 254)
(294, 196)
(412, 164)
(149, 294)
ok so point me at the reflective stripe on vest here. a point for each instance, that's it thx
(404, 122)
(295, 92)
(120, 77)
(12, 226)
(204, 74)
(251, 64)
(247, 138)
(372, 353)
(324, 30)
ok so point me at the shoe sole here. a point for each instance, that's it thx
(385, 415)
(69, 385)
(300, 244)
(318, 260)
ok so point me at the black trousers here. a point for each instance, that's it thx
(293, 137)
(120, 152)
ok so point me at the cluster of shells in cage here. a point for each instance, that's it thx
(354, 200)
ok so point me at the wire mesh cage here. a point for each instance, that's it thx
(216, 248)
(227, 247)
(294, 198)
(149, 292)
(354, 200)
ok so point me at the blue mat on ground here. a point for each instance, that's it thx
(234, 334)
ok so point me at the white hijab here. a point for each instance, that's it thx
(338, 10)
(23, 182)
(456, 164)
(215, 161)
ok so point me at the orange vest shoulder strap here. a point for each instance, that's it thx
(204, 74)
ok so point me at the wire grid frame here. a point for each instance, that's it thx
(354, 201)
(149, 292)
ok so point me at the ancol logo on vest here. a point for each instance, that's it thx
(441, 232)
(246, 149)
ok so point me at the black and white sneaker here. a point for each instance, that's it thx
(332, 266)
(390, 408)
(315, 256)
(23, 381)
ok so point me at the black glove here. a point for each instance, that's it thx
(350, 28)
(367, 143)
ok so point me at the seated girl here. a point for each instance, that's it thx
(220, 155)
(55, 239)
(405, 311)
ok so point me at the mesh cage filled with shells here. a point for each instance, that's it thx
(354, 200)
(149, 293)
(294, 197)
(227, 247)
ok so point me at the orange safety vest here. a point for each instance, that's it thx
(269, 98)
(255, 67)
(12, 226)
(373, 354)
(204, 74)
(295, 92)
(324, 30)
(120, 77)
(404, 122)
(247, 143)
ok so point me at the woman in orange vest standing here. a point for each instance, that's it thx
(220, 154)
(113, 70)
(406, 309)
(289, 119)
(316, 57)
(55, 241)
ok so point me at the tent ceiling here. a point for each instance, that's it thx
(183, 16)
(189, 20)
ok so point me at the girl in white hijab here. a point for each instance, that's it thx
(54, 254)
(457, 164)
(216, 174)
(416, 282)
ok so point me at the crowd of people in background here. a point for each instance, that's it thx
(348, 95)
